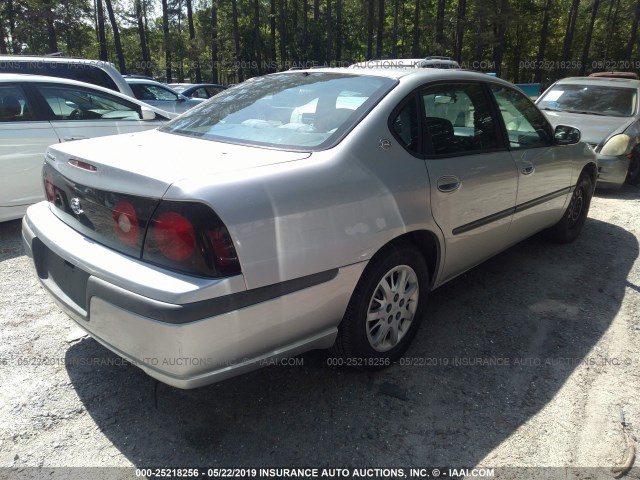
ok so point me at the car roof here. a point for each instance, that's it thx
(144, 80)
(25, 78)
(604, 81)
(406, 73)
(32, 58)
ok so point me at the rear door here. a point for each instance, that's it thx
(78, 112)
(474, 180)
(24, 137)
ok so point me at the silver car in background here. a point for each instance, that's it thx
(315, 209)
(607, 112)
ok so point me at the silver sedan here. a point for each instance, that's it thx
(301, 210)
(607, 112)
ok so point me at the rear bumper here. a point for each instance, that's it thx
(612, 171)
(186, 344)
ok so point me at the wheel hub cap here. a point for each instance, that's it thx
(392, 308)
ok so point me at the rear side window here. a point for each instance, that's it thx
(81, 72)
(14, 105)
(458, 119)
(152, 92)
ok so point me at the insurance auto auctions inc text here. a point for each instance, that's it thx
(374, 472)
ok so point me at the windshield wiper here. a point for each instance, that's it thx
(585, 112)
(553, 109)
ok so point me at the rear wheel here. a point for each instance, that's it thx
(385, 309)
(570, 226)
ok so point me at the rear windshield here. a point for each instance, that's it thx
(591, 100)
(298, 110)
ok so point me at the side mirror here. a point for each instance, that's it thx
(565, 135)
(147, 114)
(182, 98)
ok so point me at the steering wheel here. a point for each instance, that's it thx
(75, 115)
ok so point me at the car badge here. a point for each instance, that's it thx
(76, 206)
(384, 144)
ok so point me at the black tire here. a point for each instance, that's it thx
(633, 174)
(363, 343)
(570, 226)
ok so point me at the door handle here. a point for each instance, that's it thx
(77, 137)
(528, 170)
(448, 184)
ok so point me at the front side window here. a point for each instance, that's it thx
(591, 100)
(526, 125)
(72, 103)
(291, 110)
(458, 119)
(14, 106)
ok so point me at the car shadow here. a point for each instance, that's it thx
(497, 345)
(11, 240)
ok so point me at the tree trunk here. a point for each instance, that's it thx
(116, 37)
(329, 34)
(214, 41)
(256, 34)
(571, 26)
(415, 45)
(498, 51)
(305, 28)
(380, 28)
(316, 10)
(16, 47)
(634, 32)
(338, 31)
(143, 39)
(394, 35)
(480, 37)
(282, 30)
(51, 31)
(588, 36)
(236, 40)
(3, 44)
(102, 39)
(462, 10)
(612, 22)
(272, 24)
(544, 32)
(166, 41)
(440, 28)
(370, 21)
(192, 43)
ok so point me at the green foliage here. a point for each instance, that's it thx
(24, 23)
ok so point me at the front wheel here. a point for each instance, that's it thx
(385, 309)
(570, 226)
(633, 174)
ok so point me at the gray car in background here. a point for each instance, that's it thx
(314, 209)
(160, 95)
(606, 110)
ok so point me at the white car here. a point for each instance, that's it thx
(37, 111)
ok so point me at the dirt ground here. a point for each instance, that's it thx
(529, 360)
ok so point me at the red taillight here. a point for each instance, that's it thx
(222, 247)
(125, 222)
(174, 236)
(189, 237)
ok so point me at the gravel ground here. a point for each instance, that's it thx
(526, 361)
